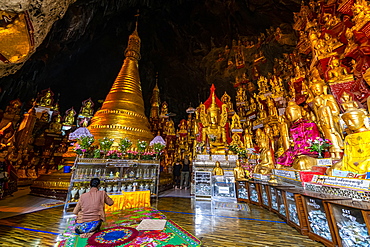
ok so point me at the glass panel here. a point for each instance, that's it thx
(317, 218)
(292, 208)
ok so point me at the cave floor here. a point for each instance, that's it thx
(251, 226)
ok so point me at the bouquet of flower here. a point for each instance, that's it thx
(83, 144)
(141, 145)
(114, 154)
(318, 145)
(148, 155)
(124, 144)
(132, 154)
(106, 144)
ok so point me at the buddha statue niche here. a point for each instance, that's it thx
(347, 102)
(214, 120)
(55, 126)
(301, 130)
(239, 172)
(356, 145)
(337, 73)
(217, 170)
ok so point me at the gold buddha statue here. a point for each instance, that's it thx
(235, 123)
(164, 109)
(87, 110)
(248, 136)
(55, 126)
(226, 99)
(47, 99)
(356, 146)
(170, 128)
(217, 170)
(320, 89)
(325, 122)
(347, 102)
(284, 133)
(214, 120)
(239, 172)
(266, 154)
(338, 73)
(273, 113)
(240, 94)
(236, 140)
(45, 117)
(69, 119)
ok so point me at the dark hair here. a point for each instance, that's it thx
(95, 182)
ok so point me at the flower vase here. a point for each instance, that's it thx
(320, 155)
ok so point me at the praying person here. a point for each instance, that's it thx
(90, 210)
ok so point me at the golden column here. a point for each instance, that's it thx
(122, 114)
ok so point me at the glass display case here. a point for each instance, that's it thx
(320, 226)
(116, 176)
(264, 188)
(292, 208)
(351, 220)
(281, 203)
(254, 193)
(223, 188)
(203, 184)
(242, 190)
(273, 199)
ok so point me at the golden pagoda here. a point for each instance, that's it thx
(155, 101)
(122, 114)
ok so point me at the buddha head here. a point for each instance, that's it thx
(293, 111)
(217, 164)
(318, 88)
(355, 120)
(319, 101)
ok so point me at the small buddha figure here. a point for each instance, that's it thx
(239, 172)
(248, 136)
(240, 94)
(226, 99)
(347, 102)
(284, 133)
(235, 123)
(252, 106)
(236, 140)
(266, 154)
(87, 109)
(47, 99)
(183, 128)
(217, 170)
(164, 110)
(356, 145)
(55, 125)
(338, 73)
(69, 119)
(326, 124)
(170, 128)
(273, 113)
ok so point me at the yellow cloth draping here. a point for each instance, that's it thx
(357, 153)
(135, 199)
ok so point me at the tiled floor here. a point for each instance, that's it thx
(253, 226)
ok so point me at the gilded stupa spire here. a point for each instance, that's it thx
(155, 101)
(122, 113)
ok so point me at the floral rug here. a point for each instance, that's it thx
(171, 236)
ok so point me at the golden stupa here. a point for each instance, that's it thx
(122, 114)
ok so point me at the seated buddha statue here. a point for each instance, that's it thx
(356, 145)
(226, 99)
(266, 163)
(183, 128)
(214, 121)
(347, 102)
(301, 130)
(236, 140)
(47, 99)
(69, 119)
(217, 170)
(87, 110)
(338, 73)
(239, 172)
(55, 125)
(170, 128)
(235, 123)
(273, 113)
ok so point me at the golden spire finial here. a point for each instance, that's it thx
(133, 46)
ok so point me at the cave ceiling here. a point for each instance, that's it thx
(82, 53)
